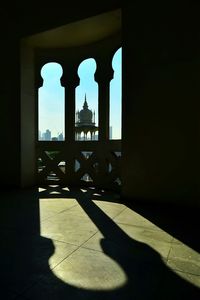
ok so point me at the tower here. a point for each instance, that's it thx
(85, 122)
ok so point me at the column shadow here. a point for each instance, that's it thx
(25, 271)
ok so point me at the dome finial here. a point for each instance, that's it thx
(85, 105)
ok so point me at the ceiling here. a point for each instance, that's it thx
(78, 33)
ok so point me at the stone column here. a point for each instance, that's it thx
(103, 76)
(70, 81)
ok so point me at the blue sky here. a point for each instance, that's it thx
(51, 95)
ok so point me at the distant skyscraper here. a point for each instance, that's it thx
(60, 137)
(40, 135)
(47, 135)
(110, 132)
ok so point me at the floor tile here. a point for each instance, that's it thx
(94, 242)
(62, 250)
(90, 269)
(50, 207)
(130, 217)
(110, 209)
(189, 277)
(178, 285)
(68, 228)
(160, 241)
(183, 258)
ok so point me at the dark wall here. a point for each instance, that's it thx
(9, 107)
(161, 67)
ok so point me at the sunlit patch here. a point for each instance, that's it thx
(54, 185)
(54, 192)
(41, 190)
(65, 189)
(96, 194)
(185, 262)
(83, 190)
(91, 270)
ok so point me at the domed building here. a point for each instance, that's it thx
(85, 123)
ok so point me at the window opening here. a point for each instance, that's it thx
(51, 108)
(116, 97)
(86, 112)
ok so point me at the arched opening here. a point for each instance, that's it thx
(51, 104)
(116, 97)
(86, 108)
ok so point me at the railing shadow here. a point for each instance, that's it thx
(25, 270)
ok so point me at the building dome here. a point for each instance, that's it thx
(85, 123)
(85, 115)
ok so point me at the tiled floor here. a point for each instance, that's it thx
(84, 244)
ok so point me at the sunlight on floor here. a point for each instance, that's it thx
(89, 269)
(80, 259)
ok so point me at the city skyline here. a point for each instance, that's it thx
(46, 136)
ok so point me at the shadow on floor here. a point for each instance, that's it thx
(25, 272)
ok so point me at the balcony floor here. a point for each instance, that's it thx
(86, 244)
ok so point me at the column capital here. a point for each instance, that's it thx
(104, 72)
(70, 78)
(39, 81)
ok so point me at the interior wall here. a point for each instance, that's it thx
(28, 118)
(9, 112)
(160, 107)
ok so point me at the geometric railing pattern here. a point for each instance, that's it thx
(80, 164)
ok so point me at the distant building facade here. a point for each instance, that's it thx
(46, 136)
(85, 124)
